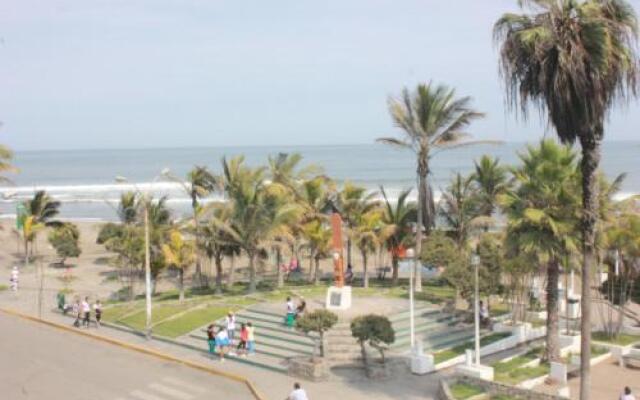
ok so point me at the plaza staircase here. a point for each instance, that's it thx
(436, 329)
(275, 343)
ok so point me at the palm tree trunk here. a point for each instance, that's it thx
(218, 258)
(198, 276)
(589, 166)
(231, 272)
(365, 277)
(279, 274)
(395, 266)
(316, 277)
(553, 345)
(252, 272)
(181, 284)
(348, 250)
(422, 178)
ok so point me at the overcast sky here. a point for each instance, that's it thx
(161, 73)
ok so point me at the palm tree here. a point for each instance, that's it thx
(260, 211)
(318, 235)
(491, 180)
(128, 208)
(542, 218)
(460, 209)
(6, 156)
(41, 211)
(432, 120)
(367, 239)
(216, 242)
(201, 183)
(179, 253)
(353, 201)
(398, 219)
(573, 60)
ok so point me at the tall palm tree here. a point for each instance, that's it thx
(460, 209)
(353, 201)
(573, 60)
(432, 120)
(128, 207)
(260, 211)
(201, 183)
(399, 218)
(542, 219)
(40, 212)
(491, 180)
(367, 239)
(6, 156)
(216, 242)
(179, 253)
(318, 235)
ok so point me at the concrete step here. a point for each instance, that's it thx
(258, 360)
(434, 337)
(275, 327)
(276, 350)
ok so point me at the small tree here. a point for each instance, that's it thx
(375, 330)
(317, 321)
(64, 239)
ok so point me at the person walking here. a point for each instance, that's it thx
(302, 306)
(251, 339)
(14, 278)
(86, 312)
(230, 322)
(298, 393)
(211, 338)
(626, 394)
(97, 310)
(76, 312)
(244, 338)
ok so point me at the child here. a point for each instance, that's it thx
(86, 311)
(211, 338)
(76, 312)
(244, 338)
(230, 322)
(97, 308)
(251, 339)
(291, 313)
(222, 341)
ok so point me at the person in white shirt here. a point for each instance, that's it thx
(86, 311)
(222, 341)
(627, 394)
(14, 279)
(230, 322)
(298, 393)
(97, 309)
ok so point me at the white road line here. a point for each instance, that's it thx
(145, 396)
(182, 384)
(166, 390)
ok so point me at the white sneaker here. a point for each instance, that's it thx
(232, 353)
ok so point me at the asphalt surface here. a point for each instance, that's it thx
(41, 362)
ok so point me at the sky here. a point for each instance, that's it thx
(78, 74)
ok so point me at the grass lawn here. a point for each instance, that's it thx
(190, 321)
(159, 313)
(3, 287)
(623, 339)
(448, 354)
(517, 375)
(499, 309)
(504, 397)
(516, 362)
(113, 313)
(462, 391)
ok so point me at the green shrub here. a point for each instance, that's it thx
(317, 321)
(375, 330)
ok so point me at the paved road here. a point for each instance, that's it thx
(41, 362)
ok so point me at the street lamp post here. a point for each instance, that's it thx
(475, 262)
(147, 250)
(412, 333)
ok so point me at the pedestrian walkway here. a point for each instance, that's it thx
(168, 388)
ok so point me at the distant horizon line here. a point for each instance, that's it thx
(258, 146)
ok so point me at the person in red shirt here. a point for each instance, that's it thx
(244, 339)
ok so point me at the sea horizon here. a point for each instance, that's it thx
(85, 180)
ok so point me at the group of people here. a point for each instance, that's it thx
(222, 339)
(81, 310)
(293, 311)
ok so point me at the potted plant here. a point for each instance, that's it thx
(319, 321)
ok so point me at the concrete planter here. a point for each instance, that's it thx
(315, 370)
(378, 371)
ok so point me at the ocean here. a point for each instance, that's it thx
(85, 180)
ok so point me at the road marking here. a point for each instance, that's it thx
(170, 391)
(145, 396)
(182, 384)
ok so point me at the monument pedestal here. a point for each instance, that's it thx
(338, 298)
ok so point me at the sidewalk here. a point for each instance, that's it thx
(348, 384)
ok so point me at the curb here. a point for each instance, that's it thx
(155, 353)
